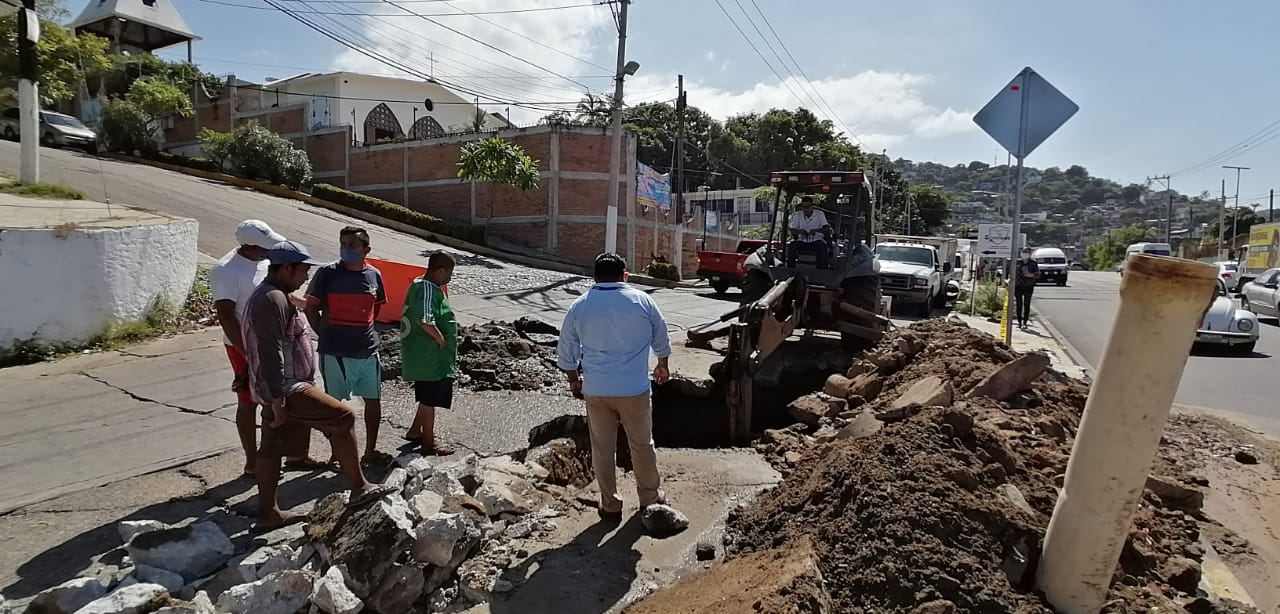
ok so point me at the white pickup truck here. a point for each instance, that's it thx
(915, 270)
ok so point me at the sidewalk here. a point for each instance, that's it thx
(1035, 338)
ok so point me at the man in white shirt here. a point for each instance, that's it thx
(232, 281)
(808, 234)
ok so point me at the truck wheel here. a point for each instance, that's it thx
(940, 301)
(720, 286)
(925, 309)
(1062, 282)
(755, 286)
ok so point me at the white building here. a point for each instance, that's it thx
(380, 108)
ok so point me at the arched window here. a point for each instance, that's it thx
(381, 124)
(426, 128)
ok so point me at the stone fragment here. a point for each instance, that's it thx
(67, 597)
(443, 484)
(888, 363)
(1176, 495)
(1011, 378)
(331, 595)
(283, 592)
(266, 561)
(499, 499)
(367, 541)
(440, 538)
(941, 606)
(198, 604)
(862, 425)
(465, 471)
(663, 520)
(808, 409)
(129, 528)
(1246, 457)
(929, 392)
(1181, 573)
(133, 599)
(397, 477)
(705, 550)
(171, 582)
(1014, 497)
(193, 551)
(426, 504)
(399, 590)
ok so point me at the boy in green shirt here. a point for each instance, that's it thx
(429, 349)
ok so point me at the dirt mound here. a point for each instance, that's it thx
(949, 504)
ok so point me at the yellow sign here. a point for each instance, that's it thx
(1264, 247)
(1004, 320)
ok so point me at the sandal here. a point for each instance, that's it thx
(437, 449)
(308, 464)
(257, 529)
(371, 495)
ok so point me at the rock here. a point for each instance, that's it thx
(1181, 573)
(404, 459)
(864, 424)
(530, 325)
(705, 551)
(67, 597)
(199, 604)
(941, 606)
(133, 599)
(1176, 495)
(499, 499)
(441, 538)
(809, 409)
(1014, 497)
(366, 541)
(426, 504)
(266, 561)
(171, 582)
(825, 434)
(864, 386)
(1245, 457)
(283, 592)
(663, 520)
(465, 471)
(403, 586)
(1011, 378)
(888, 363)
(928, 392)
(193, 552)
(468, 506)
(443, 484)
(331, 595)
(129, 528)
(397, 477)
(791, 457)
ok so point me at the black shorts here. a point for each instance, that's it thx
(435, 393)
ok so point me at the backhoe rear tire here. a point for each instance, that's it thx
(755, 286)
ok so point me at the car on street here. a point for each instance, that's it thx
(1225, 325)
(1262, 294)
(1052, 264)
(1229, 273)
(56, 130)
(1155, 249)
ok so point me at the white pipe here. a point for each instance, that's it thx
(1162, 302)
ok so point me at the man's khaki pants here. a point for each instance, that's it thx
(636, 416)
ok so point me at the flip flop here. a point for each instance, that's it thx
(308, 464)
(437, 450)
(259, 530)
(371, 495)
(406, 437)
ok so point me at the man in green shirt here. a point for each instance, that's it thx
(429, 349)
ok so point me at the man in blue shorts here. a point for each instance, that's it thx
(343, 301)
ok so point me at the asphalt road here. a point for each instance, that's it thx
(1085, 309)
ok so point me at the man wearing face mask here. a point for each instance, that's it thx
(343, 301)
(1024, 284)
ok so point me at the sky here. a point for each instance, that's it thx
(1164, 88)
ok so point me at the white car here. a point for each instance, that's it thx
(1227, 326)
(1261, 295)
(1230, 273)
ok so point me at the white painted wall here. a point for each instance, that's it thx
(68, 285)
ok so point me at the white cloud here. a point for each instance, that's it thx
(949, 122)
(711, 55)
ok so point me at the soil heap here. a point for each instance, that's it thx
(922, 493)
(519, 355)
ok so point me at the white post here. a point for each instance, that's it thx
(29, 130)
(1016, 225)
(615, 146)
(1162, 301)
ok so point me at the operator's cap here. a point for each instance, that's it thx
(290, 252)
(257, 234)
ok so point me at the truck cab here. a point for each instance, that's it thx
(913, 273)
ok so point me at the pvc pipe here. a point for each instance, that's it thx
(1162, 302)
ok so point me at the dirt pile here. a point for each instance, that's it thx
(519, 355)
(911, 505)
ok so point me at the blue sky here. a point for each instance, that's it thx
(1162, 86)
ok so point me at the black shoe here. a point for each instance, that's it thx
(610, 516)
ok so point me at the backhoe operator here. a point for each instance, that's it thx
(809, 234)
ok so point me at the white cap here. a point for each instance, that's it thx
(257, 234)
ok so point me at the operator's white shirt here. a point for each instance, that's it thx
(812, 223)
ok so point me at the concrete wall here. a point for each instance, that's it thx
(68, 283)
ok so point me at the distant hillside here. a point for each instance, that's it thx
(1052, 190)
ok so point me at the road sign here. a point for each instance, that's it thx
(994, 240)
(1046, 109)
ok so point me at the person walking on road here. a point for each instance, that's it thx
(429, 350)
(1027, 274)
(282, 378)
(604, 348)
(343, 301)
(232, 281)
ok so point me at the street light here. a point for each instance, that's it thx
(625, 69)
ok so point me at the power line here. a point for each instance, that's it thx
(183, 57)
(757, 50)
(477, 15)
(777, 56)
(267, 88)
(350, 14)
(1268, 133)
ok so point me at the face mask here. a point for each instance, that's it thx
(351, 255)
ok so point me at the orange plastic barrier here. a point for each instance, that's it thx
(396, 278)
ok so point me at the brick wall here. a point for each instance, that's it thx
(376, 166)
(328, 152)
(531, 235)
(450, 202)
(289, 120)
(186, 129)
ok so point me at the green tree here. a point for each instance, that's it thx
(64, 60)
(258, 153)
(130, 123)
(124, 70)
(1236, 221)
(1108, 252)
(1075, 171)
(497, 162)
(930, 209)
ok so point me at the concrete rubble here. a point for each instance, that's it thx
(132, 599)
(67, 597)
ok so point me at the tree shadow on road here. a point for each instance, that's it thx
(584, 576)
(219, 504)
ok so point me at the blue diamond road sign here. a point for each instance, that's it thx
(1046, 110)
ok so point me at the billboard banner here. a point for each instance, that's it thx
(653, 189)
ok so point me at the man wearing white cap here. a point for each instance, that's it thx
(232, 281)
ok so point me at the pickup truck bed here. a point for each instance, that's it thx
(726, 269)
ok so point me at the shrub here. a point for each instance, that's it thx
(42, 190)
(466, 232)
(258, 153)
(662, 270)
(203, 164)
(216, 145)
(987, 301)
(127, 128)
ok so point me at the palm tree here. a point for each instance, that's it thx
(594, 110)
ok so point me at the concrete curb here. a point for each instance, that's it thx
(1071, 351)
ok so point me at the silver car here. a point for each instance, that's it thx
(56, 130)
(1224, 325)
(1262, 295)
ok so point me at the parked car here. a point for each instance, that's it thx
(56, 130)
(1262, 294)
(1155, 249)
(1225, 325)
(727, 269)
(1229, 273)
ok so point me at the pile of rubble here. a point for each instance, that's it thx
(519, 355)
(447, 537)
(922, 480)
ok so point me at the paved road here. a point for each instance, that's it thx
(1240, 385)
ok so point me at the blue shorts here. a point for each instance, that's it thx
(351, 377)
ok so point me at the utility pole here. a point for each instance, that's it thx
(28, 93)
(1271, 207)
(680, 106)
(1168, 218)
(1235, 215)
(615, 149)
(1222, 223)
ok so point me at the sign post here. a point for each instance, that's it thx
(1025, 113)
